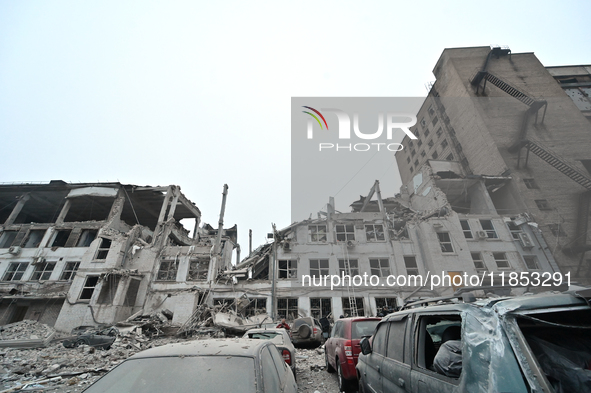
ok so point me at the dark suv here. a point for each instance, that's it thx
(342, 348)
(536, 343)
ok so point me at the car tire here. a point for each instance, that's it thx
(304, 331)
(329, 368)
(79, 342)
(343, 383)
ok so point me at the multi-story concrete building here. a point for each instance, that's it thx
(504, 114)
(89, 254)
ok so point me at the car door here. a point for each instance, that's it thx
(396, 364)
(332, 343)
(286, 377)
(372, 374)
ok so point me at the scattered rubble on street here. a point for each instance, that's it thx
(312, 376)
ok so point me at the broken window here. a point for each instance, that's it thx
(318, 267)
(349, 309)
(530, 183)
(466, 229)
(410, 262)
(531, 261)
(86, 237)
(89, 208)
(167, 270)
(386, 303)
(287, 307)
(7, 238)
(109, 289)
(501, 260)
(60, 237)
(34, 237)
(288, 269)
(445, 242)
(478, 261)
(345, 233)
(15, 271)
(131, 294)
(41, 208)
(320, 307)
(557, 230)
(514, 229)
(488, 227)
(374, 233)
(198, 269)
(432, 332)
(353, 268)
(103, 250)
(70, 271)
(317, 233)
(257, 305)
(90, 284)
(542, 204)
(379, 267)
(42, 271)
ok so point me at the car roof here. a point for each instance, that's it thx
(355, 319)
(263, 330)
(505, 304)
(211, 347)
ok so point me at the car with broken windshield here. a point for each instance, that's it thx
(535, 343)
(215, 365)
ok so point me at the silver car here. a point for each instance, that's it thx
(280, 337)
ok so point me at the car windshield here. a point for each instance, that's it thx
(363, 328)
(264, 335)
(180, 374)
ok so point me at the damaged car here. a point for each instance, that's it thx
(101, 338)
(530, 343)
(281, 339)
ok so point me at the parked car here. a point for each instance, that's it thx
(537, 343)
(215, 365)
(280, 337)
(306, 331)
(101, 338)
(342, 348)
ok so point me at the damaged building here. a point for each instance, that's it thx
(92, 254)
(442, 222)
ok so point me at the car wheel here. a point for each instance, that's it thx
(343, 383)
(329, 368)
(79, 342)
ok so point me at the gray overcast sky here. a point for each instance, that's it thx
(197, 93)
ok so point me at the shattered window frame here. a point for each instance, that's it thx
(374, 233)
(42, 271)
(167, 271)
(466, 229)
(445, 242)
(70, 270)
(353, 267)
(288, 308)
(514, 229)
(257, 305)
(15, 271)
(388, 302)
(86, 238)
(7, 238)
(60, 237)
(89, 287)
(320, 307)
(319, 267)
(103, 249)
(379, 267)
(317, 233)
(358, 305)
(502, 260)
(489, 228)
(287, 269)
(198, 269)
(478, 261)
(33, 240)
(410, 264)
(345, 232)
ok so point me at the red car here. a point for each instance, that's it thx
(342, 349)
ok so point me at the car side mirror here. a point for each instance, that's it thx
(365, 346)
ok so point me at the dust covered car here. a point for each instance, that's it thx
(306, 331)
(101, 338)
(280, 337)
(535, 343)
(214, 365)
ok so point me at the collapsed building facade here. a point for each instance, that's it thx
(90, 254)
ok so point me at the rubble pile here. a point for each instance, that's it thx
(312, 376)
(25, 330)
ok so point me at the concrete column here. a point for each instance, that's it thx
(64, 212)
(17, 209)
